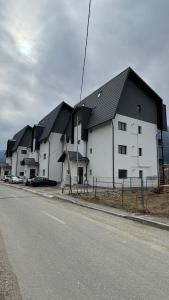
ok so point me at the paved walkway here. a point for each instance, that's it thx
(56, 193)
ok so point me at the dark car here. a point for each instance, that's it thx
(42, 181)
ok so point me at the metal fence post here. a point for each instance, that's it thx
(95, 187)
(122, 194)
(93, 183)
(142, 192)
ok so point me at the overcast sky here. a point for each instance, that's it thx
(42, 48)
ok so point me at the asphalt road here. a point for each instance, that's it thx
(62, 251)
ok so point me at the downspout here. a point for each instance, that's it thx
(113, 153)
(16, 162)
(49, 159)
(158, 160)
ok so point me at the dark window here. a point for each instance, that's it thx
(139, 129)
(122, 173)
(67, 140)
(23, 151)
(21, 174)
(139, 108)
(140, 173)
(90, 150)
(78, 141)
(91, 130)
(122, 126)
(21, 163)
(43, 172)
(90, 172)
(122, 149)
(140, 151)
(44, 156)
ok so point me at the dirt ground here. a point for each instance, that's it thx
(9, 289)
(152, 201)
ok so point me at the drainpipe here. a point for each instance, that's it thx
(113, 153)
(16, 162)
(49, 159)
(158, 161)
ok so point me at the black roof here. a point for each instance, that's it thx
(104, 101)
(48, 121)
(18, 138)
(72, 156)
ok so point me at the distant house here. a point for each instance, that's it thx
(118, 127)
(4, 167)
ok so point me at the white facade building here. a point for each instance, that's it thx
(118, 133)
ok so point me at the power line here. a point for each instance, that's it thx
(84, 61)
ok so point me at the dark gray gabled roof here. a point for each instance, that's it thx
(22, 138)
(104, 101)
(49, 121)
(73, 156)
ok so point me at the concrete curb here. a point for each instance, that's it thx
(124, 215)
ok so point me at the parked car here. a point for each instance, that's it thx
(42, 181)
(15, 179)
(6, 178)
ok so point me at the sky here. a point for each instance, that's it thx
(42, 48)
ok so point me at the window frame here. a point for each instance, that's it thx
(139, 108)
(122, 126)
(43, 172)
(139, 129)
(122, 149)
(140, 151)
(141, 174)
(44, 156)
(125, 171)
(23, 151)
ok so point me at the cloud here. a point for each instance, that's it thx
(42, 48)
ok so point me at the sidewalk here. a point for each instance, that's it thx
(55, 193)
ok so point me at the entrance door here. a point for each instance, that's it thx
(80, 175)
(32, 173)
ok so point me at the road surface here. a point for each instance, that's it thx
(60, 251)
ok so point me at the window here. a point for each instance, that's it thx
(139, 129)
(91, 130)
(122, 174)
(21, 174)
(43, 172)
(78, 142)
(139, 108)
(23, 151)
(90, 150)
(90, 172)
(122, 149)
(68, 172)
(122, 126)
(44, 156)
(21, 163)
(140, 173)
(140, 151)
(67, 140)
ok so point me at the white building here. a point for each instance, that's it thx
(118, 128)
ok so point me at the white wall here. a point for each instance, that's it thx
(100, 161)
(53, 150)
(130, 138)
(17, 157)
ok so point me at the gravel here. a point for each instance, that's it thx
(9, 288)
